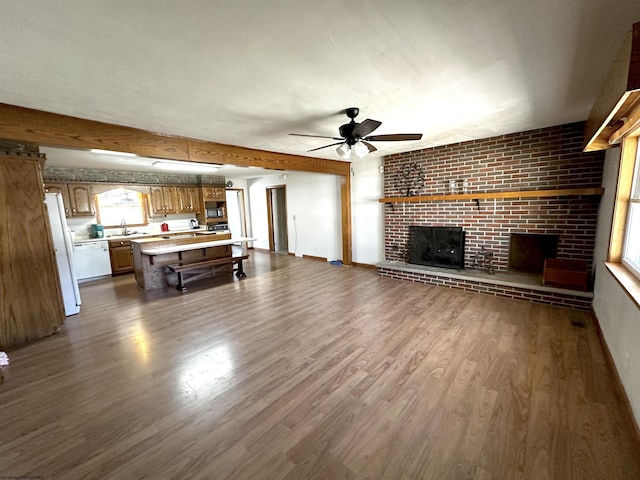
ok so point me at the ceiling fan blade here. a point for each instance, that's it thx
(365, 127)
(314, 136)
(394, 137)
(326, 146)
(369, 146)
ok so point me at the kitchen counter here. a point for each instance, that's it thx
(151, 255)
(156, 235)
(148, 247)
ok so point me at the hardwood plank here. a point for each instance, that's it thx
(304, 370)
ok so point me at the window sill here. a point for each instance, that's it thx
(629, 282)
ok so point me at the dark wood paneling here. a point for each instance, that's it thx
(30, 298)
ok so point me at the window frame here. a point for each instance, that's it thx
(633, 204)
(144, 205)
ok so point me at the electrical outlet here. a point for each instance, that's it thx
(294, 216)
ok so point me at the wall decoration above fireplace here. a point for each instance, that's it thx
(410, 179)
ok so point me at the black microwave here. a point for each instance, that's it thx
(215, 212)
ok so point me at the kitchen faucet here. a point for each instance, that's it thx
(123, 224)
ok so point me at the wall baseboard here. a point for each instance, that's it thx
(364, 265)
(619, 392)
(312, 257)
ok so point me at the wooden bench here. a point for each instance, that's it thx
(198, 269)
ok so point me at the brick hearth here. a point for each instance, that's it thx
(543, 159)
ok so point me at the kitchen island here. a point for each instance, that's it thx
(152, 256)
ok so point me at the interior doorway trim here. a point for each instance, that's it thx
(270, 214)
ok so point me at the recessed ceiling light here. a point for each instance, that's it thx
(185, 166)
(112, 152)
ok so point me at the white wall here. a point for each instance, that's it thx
(618, 315)
(315, 201)
(367, 214)
(313, 213)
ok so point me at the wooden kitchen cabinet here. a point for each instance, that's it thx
(77, 198)
(163, 200)
(60, 188)
(214, 194)
(188, 200)
(81, 200)
(121, 254)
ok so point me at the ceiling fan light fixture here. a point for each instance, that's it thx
(360, 149)
(344, 151)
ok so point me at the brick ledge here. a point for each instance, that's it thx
(511, 285)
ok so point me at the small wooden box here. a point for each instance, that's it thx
(572, 274)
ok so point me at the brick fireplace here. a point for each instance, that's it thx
(543, 159)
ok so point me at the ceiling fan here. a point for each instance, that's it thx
(354, 137)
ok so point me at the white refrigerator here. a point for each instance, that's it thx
(63, 246)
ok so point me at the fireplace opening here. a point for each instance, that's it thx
(527, 251)
(436, 246)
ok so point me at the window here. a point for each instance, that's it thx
(631, 248)
(120, 204)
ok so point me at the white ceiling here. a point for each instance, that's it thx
(249, 72)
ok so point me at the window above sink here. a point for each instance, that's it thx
(121, 204)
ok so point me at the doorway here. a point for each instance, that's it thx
(277, 219)
(236, 213)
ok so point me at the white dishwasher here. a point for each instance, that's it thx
(91, 259)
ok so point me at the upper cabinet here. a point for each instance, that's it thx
(81, 200)
(213, 194)
(163, 200)
(77, 198)
(214, 209)
(189, 200)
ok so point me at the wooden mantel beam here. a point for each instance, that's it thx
(54, 130)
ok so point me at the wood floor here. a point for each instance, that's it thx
(310, 371)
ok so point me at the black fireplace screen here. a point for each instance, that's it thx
(437, 246)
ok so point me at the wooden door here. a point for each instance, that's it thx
(30, 299)
(277, 219)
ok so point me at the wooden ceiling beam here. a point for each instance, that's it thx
(54, 130)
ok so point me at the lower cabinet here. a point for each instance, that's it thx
(121, 256)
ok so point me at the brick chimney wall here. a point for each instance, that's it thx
(542, 159)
